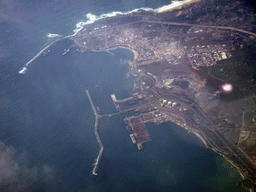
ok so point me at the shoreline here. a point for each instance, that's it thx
(91, 18)
(205, 143)
(201, 138)
(135, 53)
(237, 168)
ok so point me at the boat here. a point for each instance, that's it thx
(46, 52)
(65, 51)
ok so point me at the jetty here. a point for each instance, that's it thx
(97, 117)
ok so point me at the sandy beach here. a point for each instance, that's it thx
(133, 50)
(175, 5)
(240, 172)
(135, 54)
(200, 137)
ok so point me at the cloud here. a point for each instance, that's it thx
(16, 175)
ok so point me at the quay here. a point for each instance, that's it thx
(97, 117)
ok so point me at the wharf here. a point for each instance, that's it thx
(97, 117)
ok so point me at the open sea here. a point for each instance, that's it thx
(47, 141)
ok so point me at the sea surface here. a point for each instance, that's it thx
(47, 123)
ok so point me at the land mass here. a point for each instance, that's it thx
(183, 61)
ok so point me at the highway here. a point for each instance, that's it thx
(203, 26)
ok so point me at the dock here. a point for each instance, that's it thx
(138, 131)
(113, 97)
(97, 117)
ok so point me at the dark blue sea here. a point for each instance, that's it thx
(47, 141)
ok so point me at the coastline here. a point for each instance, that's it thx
(200, 137)
(238, 169)
(135, 53)
(205, 143)
(91, 18)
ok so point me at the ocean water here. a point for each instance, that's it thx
(46, 117)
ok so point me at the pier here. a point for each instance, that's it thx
(23, 70)
(97, 117)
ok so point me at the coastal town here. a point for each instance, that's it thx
(184, 73)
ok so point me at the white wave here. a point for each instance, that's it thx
(91, 18)
(52, 35)
(22, 71)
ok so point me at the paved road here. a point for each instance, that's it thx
(203, 26)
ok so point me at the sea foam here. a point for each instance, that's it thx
(91, 18)
(23, 70)
(52, 35)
